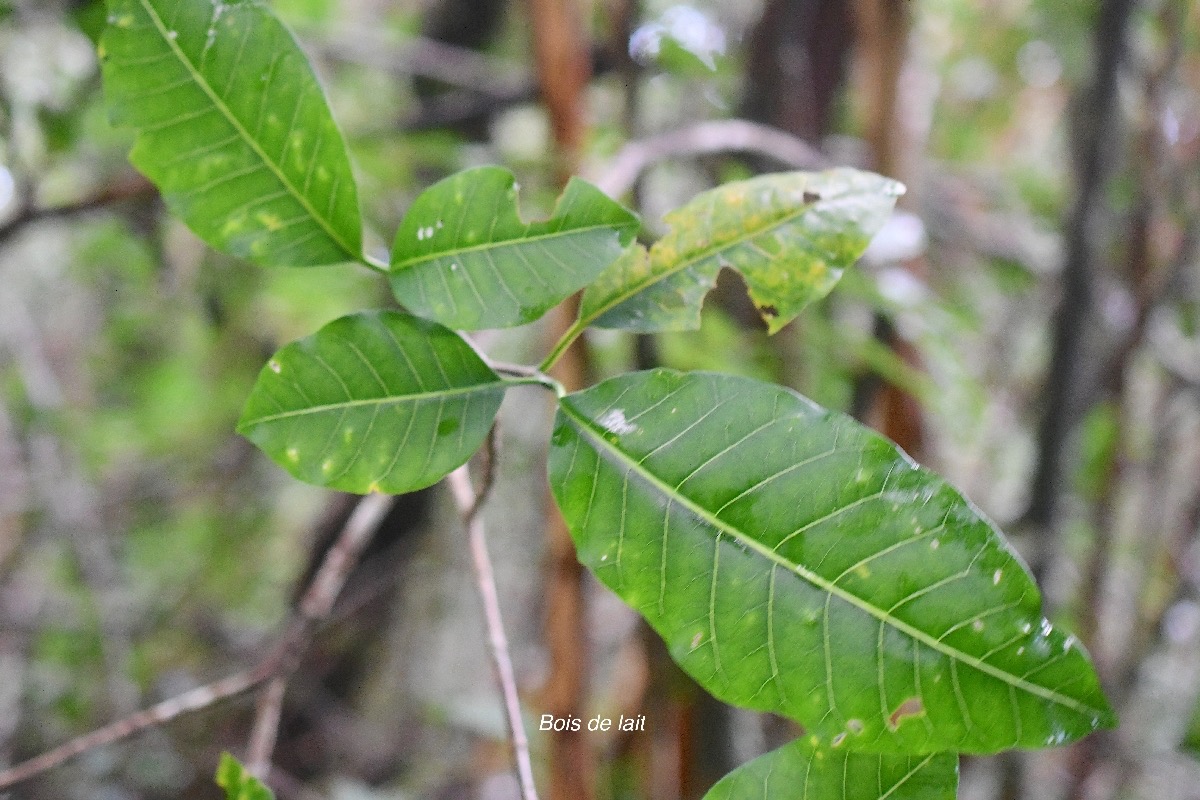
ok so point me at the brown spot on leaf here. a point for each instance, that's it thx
(811, 197)
(912, 707)
(769, 311)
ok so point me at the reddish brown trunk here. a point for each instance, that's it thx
(883, 28)
(563, 67)
(572, 762)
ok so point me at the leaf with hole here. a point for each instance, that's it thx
(373, 402)
(238, 783)
(797, 562)
(463, 256)
(790, 235)
(233, 128)
(803, 771)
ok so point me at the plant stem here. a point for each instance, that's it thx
(571, 334)
(523, 375)
(468, 503)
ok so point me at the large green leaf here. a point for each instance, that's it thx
(797, 562)
(233, 128)
(373, 402)
(238, 783)
(790, 235)
(463, 256)
(804, 771)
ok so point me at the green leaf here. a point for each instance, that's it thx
(233, 128)
(804, 771)
(797, 562)
(790, 235)
(1191, 737)
(463, 256)
(373, 402)
(238, 783)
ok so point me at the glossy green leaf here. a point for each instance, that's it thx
(797, 562)
(463, 256)
(233, 128)
(373, 402)
(238, 783)
(804, 771)
(790, 235)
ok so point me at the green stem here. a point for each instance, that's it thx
(570, 336)
(522, 376)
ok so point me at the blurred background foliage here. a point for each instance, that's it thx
(1029, 325)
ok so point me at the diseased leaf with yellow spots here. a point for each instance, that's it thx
(796, 562)
(233, 128)
(373, 402)
(790, 235)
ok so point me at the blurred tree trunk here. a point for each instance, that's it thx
(883, 28)
(563, 63)
(470, 24)
(1065, 396)
(797, 64)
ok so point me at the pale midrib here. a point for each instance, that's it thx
(494, 245)
(582, 424)
(164, 31)
(380, 401)
(659, 277)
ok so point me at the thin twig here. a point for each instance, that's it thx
(469, 502)
(266, 727)
(278, 664)
(152, 717)
(315, 605)
(718, 136)
(126, 188)
(428, 58)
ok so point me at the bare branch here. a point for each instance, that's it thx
(152, 717)
(469, 503)
(266, 728)
(276, 667)
(315, 605)
(127, 188)
(428, 58)
(720, 136)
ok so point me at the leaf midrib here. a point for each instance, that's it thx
(688, 262)
(413, 262)
(200, 81)
(441, 394)
(583, 425)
